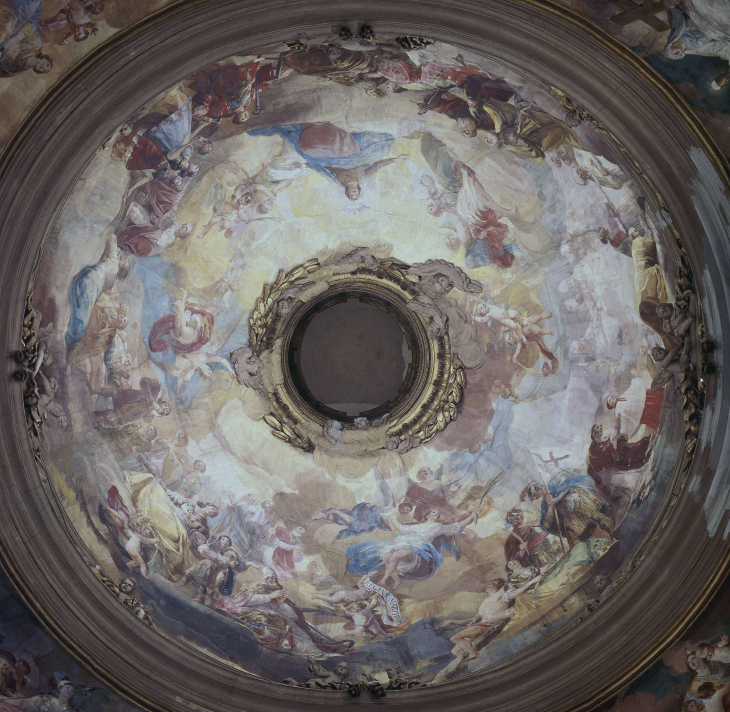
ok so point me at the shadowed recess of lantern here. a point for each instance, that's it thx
(354, 357)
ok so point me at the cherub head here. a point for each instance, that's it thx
(467, 126)
(6, 663)
(199, 465)
(209, 509)
(452, 241)
(597, 433)
(393, 670)
(80, 33)
(435, 330)
(601, 583)
(481, 308)
(405, 508)
(435, 208)
(128, 585)
(492, 139)
(185, 230)
(371, 262)
(536, 490)
(342, 670)
(43, 64)
(665, 310)
(353, 191)
(283, 306)
(425, 474)
(572, 118)
(696, 664)
(205, 147)
(442, 284)
(511, 338)
(361, 423)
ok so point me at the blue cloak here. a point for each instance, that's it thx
(373, 147)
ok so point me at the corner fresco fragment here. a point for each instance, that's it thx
(41, 39)
(686, 41)
(691, 676)
(312, 556)
(37, 674)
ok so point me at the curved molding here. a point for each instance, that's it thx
(573, 668)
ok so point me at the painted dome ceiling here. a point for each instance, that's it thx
(361, 361)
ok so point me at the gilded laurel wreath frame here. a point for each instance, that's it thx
(436, 379)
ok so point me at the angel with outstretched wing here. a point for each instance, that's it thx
(186, 364)
(361, 254)
(439, 277)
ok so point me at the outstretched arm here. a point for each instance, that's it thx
(382, 163)
(483, 195)
(175, 153)
(215, 358)
(511, 595)
(671, 356)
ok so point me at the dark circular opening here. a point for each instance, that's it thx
(350, 358)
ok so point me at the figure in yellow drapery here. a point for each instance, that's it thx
(151, 501)
(526, 132)
(650, 284)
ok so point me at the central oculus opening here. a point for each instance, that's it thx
(353, 358)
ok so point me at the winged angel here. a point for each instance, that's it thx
(187, 362)
(437, 279)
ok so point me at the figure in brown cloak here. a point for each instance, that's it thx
(130, 404)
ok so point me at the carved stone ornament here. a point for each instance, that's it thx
(435, 381)
(39, 395)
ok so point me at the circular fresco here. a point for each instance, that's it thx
(438, 475)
